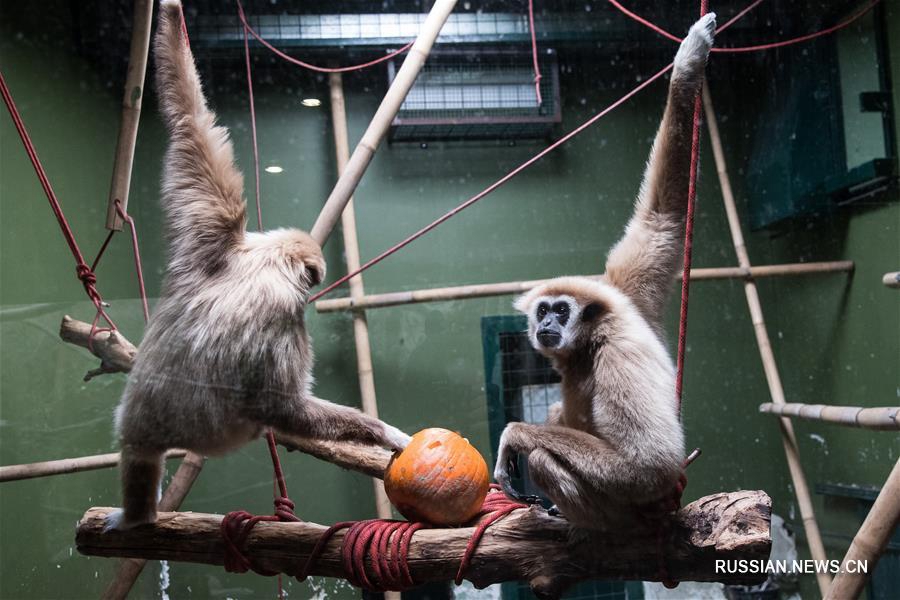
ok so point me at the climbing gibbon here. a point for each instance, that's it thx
(226, 354)
(615, 441)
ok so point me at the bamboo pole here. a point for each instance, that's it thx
(869, 542)
(892, 280)
(131, 112)
(386, 112)
(351, 252)
(465, 292)
(886, 418)
(773, 378)
(527, 545)
(67, 465)
(130, 568)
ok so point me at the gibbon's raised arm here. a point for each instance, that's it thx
(205, 210)
(643, 263)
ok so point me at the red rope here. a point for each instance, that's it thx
(493, 186)
(755, 48)
(307, 65)
(252, 124)
(84, 273)
(137, 258)
(384, 546)
(534, 53)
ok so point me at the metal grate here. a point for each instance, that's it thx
(360, 29)
(482, 94)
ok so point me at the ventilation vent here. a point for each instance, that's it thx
(479, 95)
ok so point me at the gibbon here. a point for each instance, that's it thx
(615, 441)
(226, 354)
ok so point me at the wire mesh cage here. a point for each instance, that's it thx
(479, 94)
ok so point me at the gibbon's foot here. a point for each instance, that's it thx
(116, 520)
(554, 511)
(694, 50)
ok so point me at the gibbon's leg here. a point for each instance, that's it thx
(644, 262)
(319, 419)
(579, 459)
(141, 472)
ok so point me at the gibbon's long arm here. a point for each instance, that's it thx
(202, 189)
(644, 262)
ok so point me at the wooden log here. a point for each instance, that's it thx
(116, 353)
(527, 545)
(67, 465)
(870, 541)
(130, 568)
(884, 418)
(465, 292)
(387, 110)
(131, 112)
(770, 367)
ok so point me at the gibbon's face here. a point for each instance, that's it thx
(559, 321)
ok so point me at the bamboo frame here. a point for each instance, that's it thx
(486, 290)
(130, 568)
(351, 251)
(64, 466)
(773, 378)
(871, 539)
(378, 127)
(131, 112)
(886, 418)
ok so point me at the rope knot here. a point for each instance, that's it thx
(284, 509)
(87, 277)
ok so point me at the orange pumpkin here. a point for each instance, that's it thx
(439, 478)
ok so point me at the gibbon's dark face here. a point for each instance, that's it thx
(564, 313)
(552, 317)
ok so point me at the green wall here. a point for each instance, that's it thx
(835, 337)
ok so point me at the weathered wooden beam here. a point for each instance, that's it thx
(870, 541)
(527, 545)
(67, 465)
(487, 290)
(885, 418)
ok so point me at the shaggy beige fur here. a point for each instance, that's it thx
(616, 441)
(226, 353)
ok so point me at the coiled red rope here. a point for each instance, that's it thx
(384, 545)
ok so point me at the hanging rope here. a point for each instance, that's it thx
(84, 273)
(137, 257)
(534, 53)
(307, 65)
(252, 124)
(755, 48)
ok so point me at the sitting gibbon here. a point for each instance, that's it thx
(616, 441)
(226, 354)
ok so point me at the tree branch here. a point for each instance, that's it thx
(527, 545)
(116, 353)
